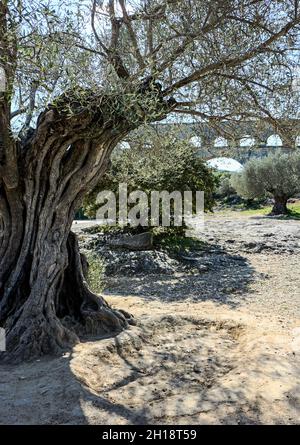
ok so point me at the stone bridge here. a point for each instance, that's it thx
(243, 140)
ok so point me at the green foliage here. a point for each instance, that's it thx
(171, 239)
(51, 45)
(175, 242)
(293, 212)
(112, 230)
(277, 175)
(225, 188)
(156, 162)
(227, 195)
(95, 273)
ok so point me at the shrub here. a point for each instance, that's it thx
(225, 188)
(95, 272)
(156, 162)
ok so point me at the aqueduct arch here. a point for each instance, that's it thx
(242, 141)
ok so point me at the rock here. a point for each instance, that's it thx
(141, 241)
(251, 245)
(188, 258)
(197, 368)
(203, 268)
(126, 262)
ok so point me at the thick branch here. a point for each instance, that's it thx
(234, 61)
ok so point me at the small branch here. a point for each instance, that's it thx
(132, 35)
(213, 120)
(243, 81)
(93, 16)
(16, 113)
(30, 109)
(233, 62)
(114, 57)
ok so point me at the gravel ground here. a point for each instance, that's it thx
(217, 343)
(247, 262)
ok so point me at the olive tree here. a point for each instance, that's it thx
(155, 161)
(277, 175)
(76, 78)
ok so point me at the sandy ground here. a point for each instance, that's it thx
(192, 360)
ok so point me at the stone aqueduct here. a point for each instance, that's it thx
(244, 140)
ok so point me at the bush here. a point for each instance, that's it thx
(277, 175)
(225, 189)
(95, 272)
(227, 195)
(156, 162)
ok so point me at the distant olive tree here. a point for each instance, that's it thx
(277, 175)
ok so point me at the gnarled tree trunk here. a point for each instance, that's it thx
(45, 303)
(279, 206)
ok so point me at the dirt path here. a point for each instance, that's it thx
(192, 358)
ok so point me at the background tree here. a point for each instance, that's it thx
(226, 194)
(277, 175)
(78, 78)
(225, 190)
(146, 166)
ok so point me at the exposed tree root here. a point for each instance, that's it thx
(78, 312)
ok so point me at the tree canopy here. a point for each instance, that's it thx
(155, 161)
(277, 175)
(218, 59)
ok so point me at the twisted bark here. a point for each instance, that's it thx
(45, 303)
(280, 206)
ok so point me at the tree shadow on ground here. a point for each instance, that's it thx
(216, 275)
(169, 370)
(291, 216)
